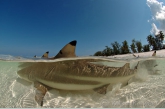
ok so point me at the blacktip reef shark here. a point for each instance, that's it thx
(73, 74)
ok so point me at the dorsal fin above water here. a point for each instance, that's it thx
(154, 54)
(68, 50)
(45, 55)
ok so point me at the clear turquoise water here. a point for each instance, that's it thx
(147, 90)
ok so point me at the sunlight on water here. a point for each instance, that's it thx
(146, 89)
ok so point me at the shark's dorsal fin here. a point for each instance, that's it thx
(102, 89)
(45, 55)
(154, 54)
(68, 50)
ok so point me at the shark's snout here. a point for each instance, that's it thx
(22, 74)
(19, 73)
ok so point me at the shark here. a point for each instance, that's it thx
(45, 55)
(154, 54)
(73, 74)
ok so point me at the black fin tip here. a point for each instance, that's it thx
(73, 43)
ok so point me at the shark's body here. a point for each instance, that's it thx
(77, 74)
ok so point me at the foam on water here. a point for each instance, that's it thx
(146, 89)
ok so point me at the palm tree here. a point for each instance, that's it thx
(116, 47)
(159, 40)
(107, 51)
(133, 47)
(152, 42)
(125, 48)
(139, 46)
(150, 39)
(98, 53)
(146, 48)
(161, 35)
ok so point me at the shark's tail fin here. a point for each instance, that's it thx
(68, 50)
(45, 55)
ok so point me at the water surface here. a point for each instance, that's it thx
(147, 89)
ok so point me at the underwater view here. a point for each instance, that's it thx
(144, 90)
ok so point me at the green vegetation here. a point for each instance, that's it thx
(139, 46)
(133, 47)
(125, 48)
(154, 43)
(157, 41)
(116, 48)
(146, 48)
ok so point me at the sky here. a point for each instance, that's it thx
(32, 27)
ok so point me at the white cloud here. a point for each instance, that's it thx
(158, 15)
(154, 29)
(155, 6)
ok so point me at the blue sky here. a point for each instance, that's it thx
(32, 27)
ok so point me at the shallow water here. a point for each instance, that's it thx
(146, 89)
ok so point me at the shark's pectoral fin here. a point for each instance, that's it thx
(102, 89)
(40, 92)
